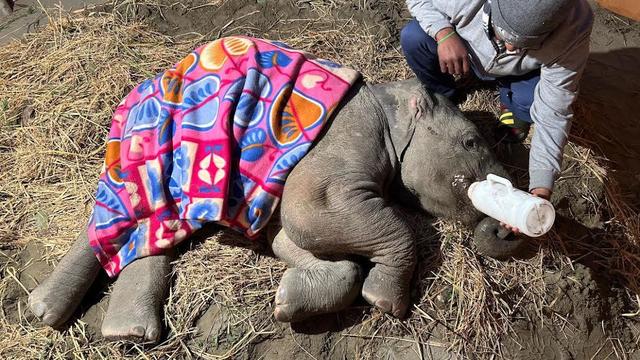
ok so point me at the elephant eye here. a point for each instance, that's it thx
(470, 143)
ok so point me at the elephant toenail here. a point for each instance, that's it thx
(282, 293)
(279, 315)
(38, 309)
(398, 313)
(384, 305)
(152, 335)
(137, 331)
(50, 319)
(282, 313)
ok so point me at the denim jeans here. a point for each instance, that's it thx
(421, 52)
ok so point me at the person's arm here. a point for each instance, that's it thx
(452, 53)
(552, 112)
(431, 19)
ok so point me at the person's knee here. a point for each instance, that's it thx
(521, 107)
(522, 100)
(413, 39)
(505, 96)
(524, 92)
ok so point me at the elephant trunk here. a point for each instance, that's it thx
(495, 241)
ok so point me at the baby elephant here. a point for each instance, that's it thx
(391, 146)
(387, 147)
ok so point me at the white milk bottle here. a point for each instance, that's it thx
(496, 197)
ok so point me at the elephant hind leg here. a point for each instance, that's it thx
(312, 286)
(56, 299)
(135, 306)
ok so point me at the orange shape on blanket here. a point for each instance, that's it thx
(237, 46)
(172, 80)
(171, 83)
(213, 57)
(112, 161)
(216, 53)
(289, 120)
(185, 65)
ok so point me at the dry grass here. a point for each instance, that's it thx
(58, 90)
(59, 87)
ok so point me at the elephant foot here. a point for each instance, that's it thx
(56, 299)
(387, 291)
(493, 240)
(326, 287)
(135, 306)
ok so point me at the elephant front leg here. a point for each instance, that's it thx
(391, 248)
(360, 223)
(387, 286)
(312, 286)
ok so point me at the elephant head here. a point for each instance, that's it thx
(440, 153)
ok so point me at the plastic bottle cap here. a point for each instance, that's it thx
(540, 219)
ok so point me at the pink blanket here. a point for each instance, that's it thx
(212, 139)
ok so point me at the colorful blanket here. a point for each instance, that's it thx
(212, 139)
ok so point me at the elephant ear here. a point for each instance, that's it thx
(404, 103)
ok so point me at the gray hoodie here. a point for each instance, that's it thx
(561, 59)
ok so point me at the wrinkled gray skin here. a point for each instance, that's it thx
(389, 146)
(5, 8)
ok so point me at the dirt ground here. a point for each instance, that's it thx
(572, 294)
